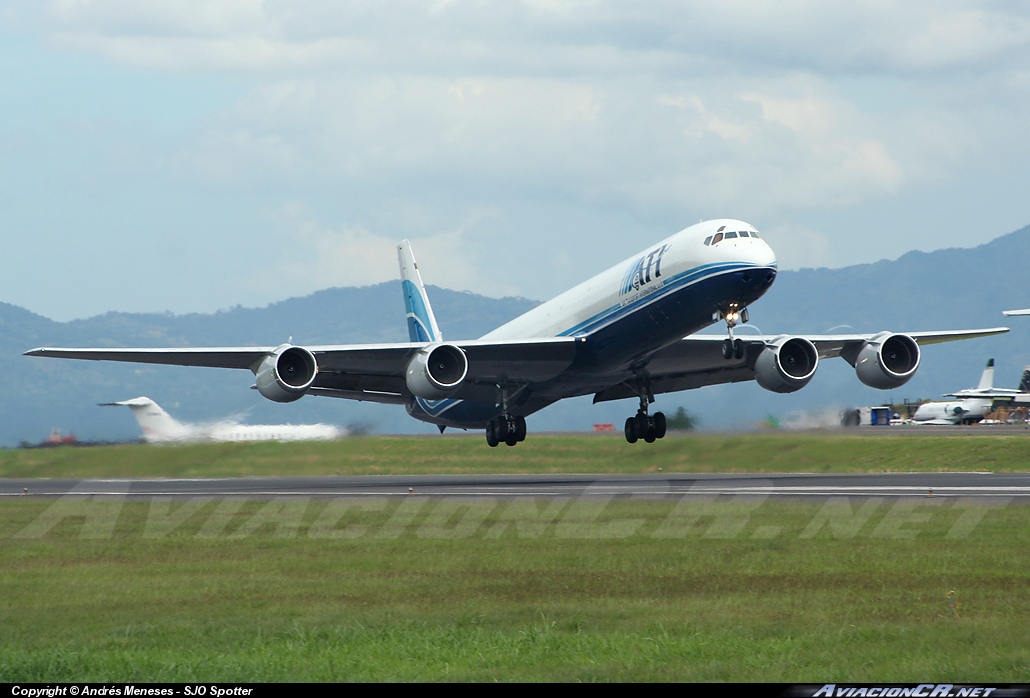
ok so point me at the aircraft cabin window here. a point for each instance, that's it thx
(730, 235)
(717, 238)
(708, 240)
(742, 233)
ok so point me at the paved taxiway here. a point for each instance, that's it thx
(655, 484)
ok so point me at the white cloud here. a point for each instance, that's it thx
(556, 37)
(577, 125)
(321, 257)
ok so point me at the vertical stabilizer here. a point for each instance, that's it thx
(987, 379)
(157, 425)
(422, 325)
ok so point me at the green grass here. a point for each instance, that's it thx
(737, 453)
(769, 603)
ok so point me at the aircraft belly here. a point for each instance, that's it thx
(629, 339)
(468, 414)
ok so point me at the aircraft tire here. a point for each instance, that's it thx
(727, 349)
(520, 429)
(491, 434)
(511, 439)
(738, 348)
(631, 430)
(659, 425)
(649, 430)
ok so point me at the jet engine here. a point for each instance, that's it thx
(286, 374)
(786, 365)
(436, 371)
(887, 361)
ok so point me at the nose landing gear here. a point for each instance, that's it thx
(733, 348)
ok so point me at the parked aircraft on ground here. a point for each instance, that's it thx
(628, 332)
(972, 404)
(160, 427)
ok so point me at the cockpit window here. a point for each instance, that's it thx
(717, 238)
(742, 233)
(754, 233)
(730, 235)
(708, 240)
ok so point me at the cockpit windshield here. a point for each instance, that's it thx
(731, 235)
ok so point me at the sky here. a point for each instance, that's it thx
(194, 155)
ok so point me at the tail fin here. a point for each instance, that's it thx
(987, 379)
(157, 425)
(1024, 385)
(422, 325)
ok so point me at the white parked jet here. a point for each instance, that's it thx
(970, 405)
(160, 427)
(627, 332)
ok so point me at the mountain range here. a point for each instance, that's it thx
(947, 289)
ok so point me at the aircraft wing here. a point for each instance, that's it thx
(697, 361)
(371, 372)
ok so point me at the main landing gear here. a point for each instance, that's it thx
(505, 428)
(644, 426)
(510, 430)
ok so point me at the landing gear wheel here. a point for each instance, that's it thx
(738, 348)
(659, 425)
(520, 429)
(631, 430)
(491, 434)
(727, 349)
(649, 430)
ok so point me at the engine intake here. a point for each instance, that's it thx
(786, 365)
(286, 374)
(436, 371)
(887, 361)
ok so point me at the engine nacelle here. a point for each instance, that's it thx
(887, 361)
(436, 371)
(286, 374)
(786, 365)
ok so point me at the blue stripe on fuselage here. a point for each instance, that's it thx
(622, 331)
(676, 283)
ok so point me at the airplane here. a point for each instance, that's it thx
(160, 427)
(1012, 313)
(972, 404)
(629, 332)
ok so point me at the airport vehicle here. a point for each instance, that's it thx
(160, 427)
(628, 332)
(971, 404)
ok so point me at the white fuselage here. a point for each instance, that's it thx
(160, 427)
(586, 307)
(623, 315)
(953, 412)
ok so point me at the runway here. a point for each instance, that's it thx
(653, 485)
